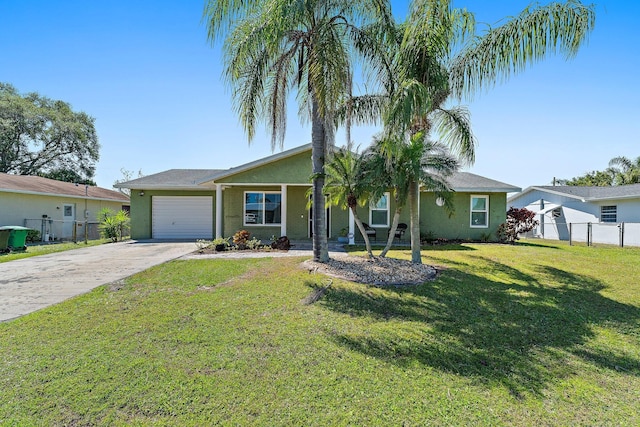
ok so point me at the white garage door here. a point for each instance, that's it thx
(182, 217)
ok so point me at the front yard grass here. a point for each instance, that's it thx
(533, 334)
(43, 249)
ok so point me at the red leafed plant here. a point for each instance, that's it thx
(519, 220)
(240, 238)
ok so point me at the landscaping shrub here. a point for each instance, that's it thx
(240, 238)
(113, 225)
(518, 221)
(33, 236)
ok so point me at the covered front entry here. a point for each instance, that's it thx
(327, 219)
(182, 217)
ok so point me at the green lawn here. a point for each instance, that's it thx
(43, 249)
(534, 334)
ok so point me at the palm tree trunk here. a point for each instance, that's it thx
(318, 151)
(392, 232)
(414, 213)
(367, 243)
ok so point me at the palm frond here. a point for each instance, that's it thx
(453, 126)
(508, 49)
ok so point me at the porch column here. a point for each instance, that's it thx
(352, 228)
(283, 210)
(219, 210)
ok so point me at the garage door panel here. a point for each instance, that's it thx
(182, 217)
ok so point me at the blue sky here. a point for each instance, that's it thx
(148, 75)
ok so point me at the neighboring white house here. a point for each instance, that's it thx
(609, 214)
(57, 209)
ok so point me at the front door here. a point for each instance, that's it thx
(68, 219)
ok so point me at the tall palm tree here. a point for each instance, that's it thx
(627, 171)
(275, 46)
(436, 56)
(396, 165)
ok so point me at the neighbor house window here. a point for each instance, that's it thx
(261, 208)
(379, 212)
(608, 214)
(479, 211)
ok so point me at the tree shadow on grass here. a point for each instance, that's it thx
(537, 245)
(406, 249)
(505, 327)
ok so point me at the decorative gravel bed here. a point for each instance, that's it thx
(377, 271)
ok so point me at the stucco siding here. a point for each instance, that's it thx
(435, 220)
(297, 213)
(28, 210)
(291, 170)
(628, 210)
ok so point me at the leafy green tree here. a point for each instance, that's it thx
(437, 56)
(621, 171)
(275, 46)
(627, 171)
(41, 136)
(604, 178)
(67, 175)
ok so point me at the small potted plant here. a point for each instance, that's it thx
(343, 237)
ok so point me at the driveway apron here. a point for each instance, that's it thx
(29, 284)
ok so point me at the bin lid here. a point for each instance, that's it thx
(13, 227)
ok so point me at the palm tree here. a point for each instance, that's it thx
(346, 185)
(396, 165)
(627, 171)
(436, 55)
(274, 46)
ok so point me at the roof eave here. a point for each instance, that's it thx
(69, 196)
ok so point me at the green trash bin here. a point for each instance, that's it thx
(17, 237)
(4, 240)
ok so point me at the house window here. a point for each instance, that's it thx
(262, 208)
(608, 214)
(479, 211)
(379, 212)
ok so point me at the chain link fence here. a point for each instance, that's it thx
(620, 234)
(52, 230)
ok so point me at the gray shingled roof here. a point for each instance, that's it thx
(466, 181)
(594, 193)
(38, 185)
(191, 178)
(173, 178)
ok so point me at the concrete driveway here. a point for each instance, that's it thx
(29, 284)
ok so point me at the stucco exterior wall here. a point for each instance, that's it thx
(435, 220)
(291, 170)
(578, 214)
(27, 210)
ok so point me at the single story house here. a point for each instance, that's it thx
(564, 210)
(269, 197)
(55, 208)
